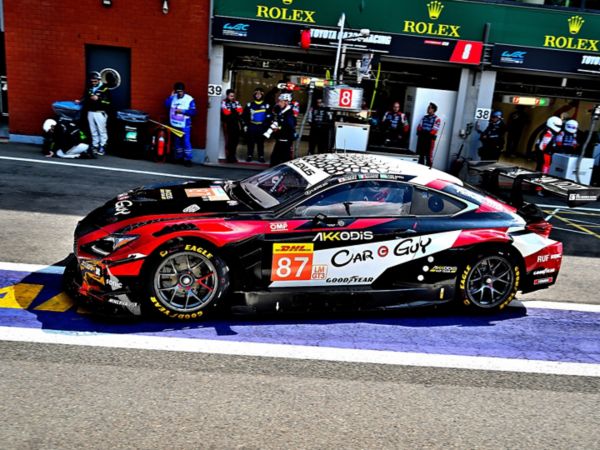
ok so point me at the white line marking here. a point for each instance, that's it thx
(549, 216)
(37, 268)
(561, 306)
(297, 352)
(576, 208)
(564, 306)
(112, 169)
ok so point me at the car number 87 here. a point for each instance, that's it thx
(286, 268)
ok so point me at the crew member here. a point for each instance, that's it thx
(395, 126)
(566, 140)
(231, 113)
(320, 121)
(547, 144)
(492, 138)
(283, 128)
(96, 103)
(65, 140)
(182, 107)
(427, 131)
(256, 119)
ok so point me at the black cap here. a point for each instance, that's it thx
(179, 86)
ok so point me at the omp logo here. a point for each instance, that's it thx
(434, 9)
(293, 248)
(325, 236)
(575, 24)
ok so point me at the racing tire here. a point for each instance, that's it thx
(186, 281)
(489, 282)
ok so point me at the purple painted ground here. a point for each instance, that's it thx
(534, 334)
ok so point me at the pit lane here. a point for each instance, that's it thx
(559, 340)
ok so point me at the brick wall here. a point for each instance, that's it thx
(45, 54)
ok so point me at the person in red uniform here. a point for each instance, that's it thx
(427, 131)
(547, 143)
(546, 146)
(231, 113)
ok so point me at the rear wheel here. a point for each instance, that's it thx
(187, 281)
(489, 283)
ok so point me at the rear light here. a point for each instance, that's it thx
(542, 228)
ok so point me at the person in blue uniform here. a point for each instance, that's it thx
(182, 107)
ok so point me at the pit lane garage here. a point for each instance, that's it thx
(319, 226)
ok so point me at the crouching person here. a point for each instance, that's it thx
(63, 141)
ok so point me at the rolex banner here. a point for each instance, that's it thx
(396, 45)
(431, 19)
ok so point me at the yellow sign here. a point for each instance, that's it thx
(575, 23)
(292, 15)
(434, 10)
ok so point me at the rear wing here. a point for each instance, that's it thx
(574, 194)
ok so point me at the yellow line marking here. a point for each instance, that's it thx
(59, 303)
(19, 296)
(573, 224)
(577, 213)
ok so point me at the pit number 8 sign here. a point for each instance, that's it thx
(292, 262)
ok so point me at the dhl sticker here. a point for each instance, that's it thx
(293, 248)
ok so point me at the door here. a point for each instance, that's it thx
(114, 65)
(345, 236)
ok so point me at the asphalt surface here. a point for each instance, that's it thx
(65, 396)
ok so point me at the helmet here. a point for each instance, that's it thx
(497, 114)
(571, 126)
(48, 124)
(554, 123)
(287, 97)
(94, 76)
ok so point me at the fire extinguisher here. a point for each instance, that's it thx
(159, 144)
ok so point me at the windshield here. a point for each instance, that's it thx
(274, 186)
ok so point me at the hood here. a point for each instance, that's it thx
(203, 197)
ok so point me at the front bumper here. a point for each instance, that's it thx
(102, 289)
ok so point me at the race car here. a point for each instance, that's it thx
(349, 230)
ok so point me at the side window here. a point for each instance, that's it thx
(372, 198)
(432, 203)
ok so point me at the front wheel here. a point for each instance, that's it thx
(489, 283)
(187, 281)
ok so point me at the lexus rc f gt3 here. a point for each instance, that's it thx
(358, 230)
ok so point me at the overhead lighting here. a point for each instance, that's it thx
(526, 101)
(165, 7)
(107, 3)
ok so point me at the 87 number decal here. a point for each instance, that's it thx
(292, 262)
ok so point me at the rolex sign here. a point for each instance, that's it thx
(343, 98)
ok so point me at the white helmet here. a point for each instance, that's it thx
(571, 126)
(48, 124)
(285, 96)
(554, 123)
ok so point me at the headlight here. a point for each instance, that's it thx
(110, 243)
